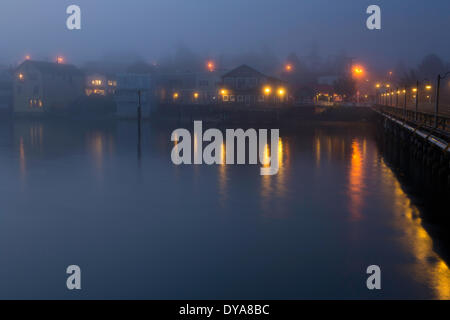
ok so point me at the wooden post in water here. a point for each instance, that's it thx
(139, 116)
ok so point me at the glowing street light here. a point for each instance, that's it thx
(377, 85)
(223, 92)
(196, 95)
(281, 92)
(21, 76)
(210, 66)
(288, 67)
(267, 90)
(428, 87)
(176, 96)
(414, 90)
(27, 57)
(358, 71)
(59, 60)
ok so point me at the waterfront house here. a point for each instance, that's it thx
(44, 86)
(127, 95)
(188, 87)
(98, 84)
(247, 86)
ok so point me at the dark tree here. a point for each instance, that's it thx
(431, 66)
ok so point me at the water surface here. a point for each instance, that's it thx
(141, 227)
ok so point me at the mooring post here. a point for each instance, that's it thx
(436, 109)
(139, 116)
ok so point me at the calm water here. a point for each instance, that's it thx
(78, 194)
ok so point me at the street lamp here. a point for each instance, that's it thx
(267, 90)
(210, 66)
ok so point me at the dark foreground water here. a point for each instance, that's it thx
(145, 228)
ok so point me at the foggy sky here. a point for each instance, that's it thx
(410, 28)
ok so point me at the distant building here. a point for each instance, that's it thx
(245, 85)
(127, 97)
(43, 86)
(6, 91)
(100, 85)
(188, 87)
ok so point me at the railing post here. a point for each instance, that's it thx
(396, 99)
(436, 109)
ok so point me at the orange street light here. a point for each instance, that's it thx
(428, 87)
(176, 96)
(27, 57)
(21, 76)
(223, 92)
(288, 67)
(281, 92)
(210, 66)
(196, 95)
(267, 90)
(59, 60)
(377, 85)
(358, 71)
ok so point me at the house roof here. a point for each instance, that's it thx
(244, 71)
(53, 68)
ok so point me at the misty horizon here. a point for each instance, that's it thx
(154, 31)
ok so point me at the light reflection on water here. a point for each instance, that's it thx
(327, 176)
(427, 267)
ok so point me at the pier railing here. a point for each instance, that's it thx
(425, 103)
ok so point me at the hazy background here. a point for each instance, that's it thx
(155, 28)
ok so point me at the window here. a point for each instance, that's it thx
(233, 98)
(229, 82)
(240, 98)
(226, 98)
(251, 82)
(240, 83)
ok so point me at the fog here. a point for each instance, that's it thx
(154, 30)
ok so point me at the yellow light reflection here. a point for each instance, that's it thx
(356, 184)
(427, 267)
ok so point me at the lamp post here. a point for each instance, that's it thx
(404, 110)
(438, 89)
